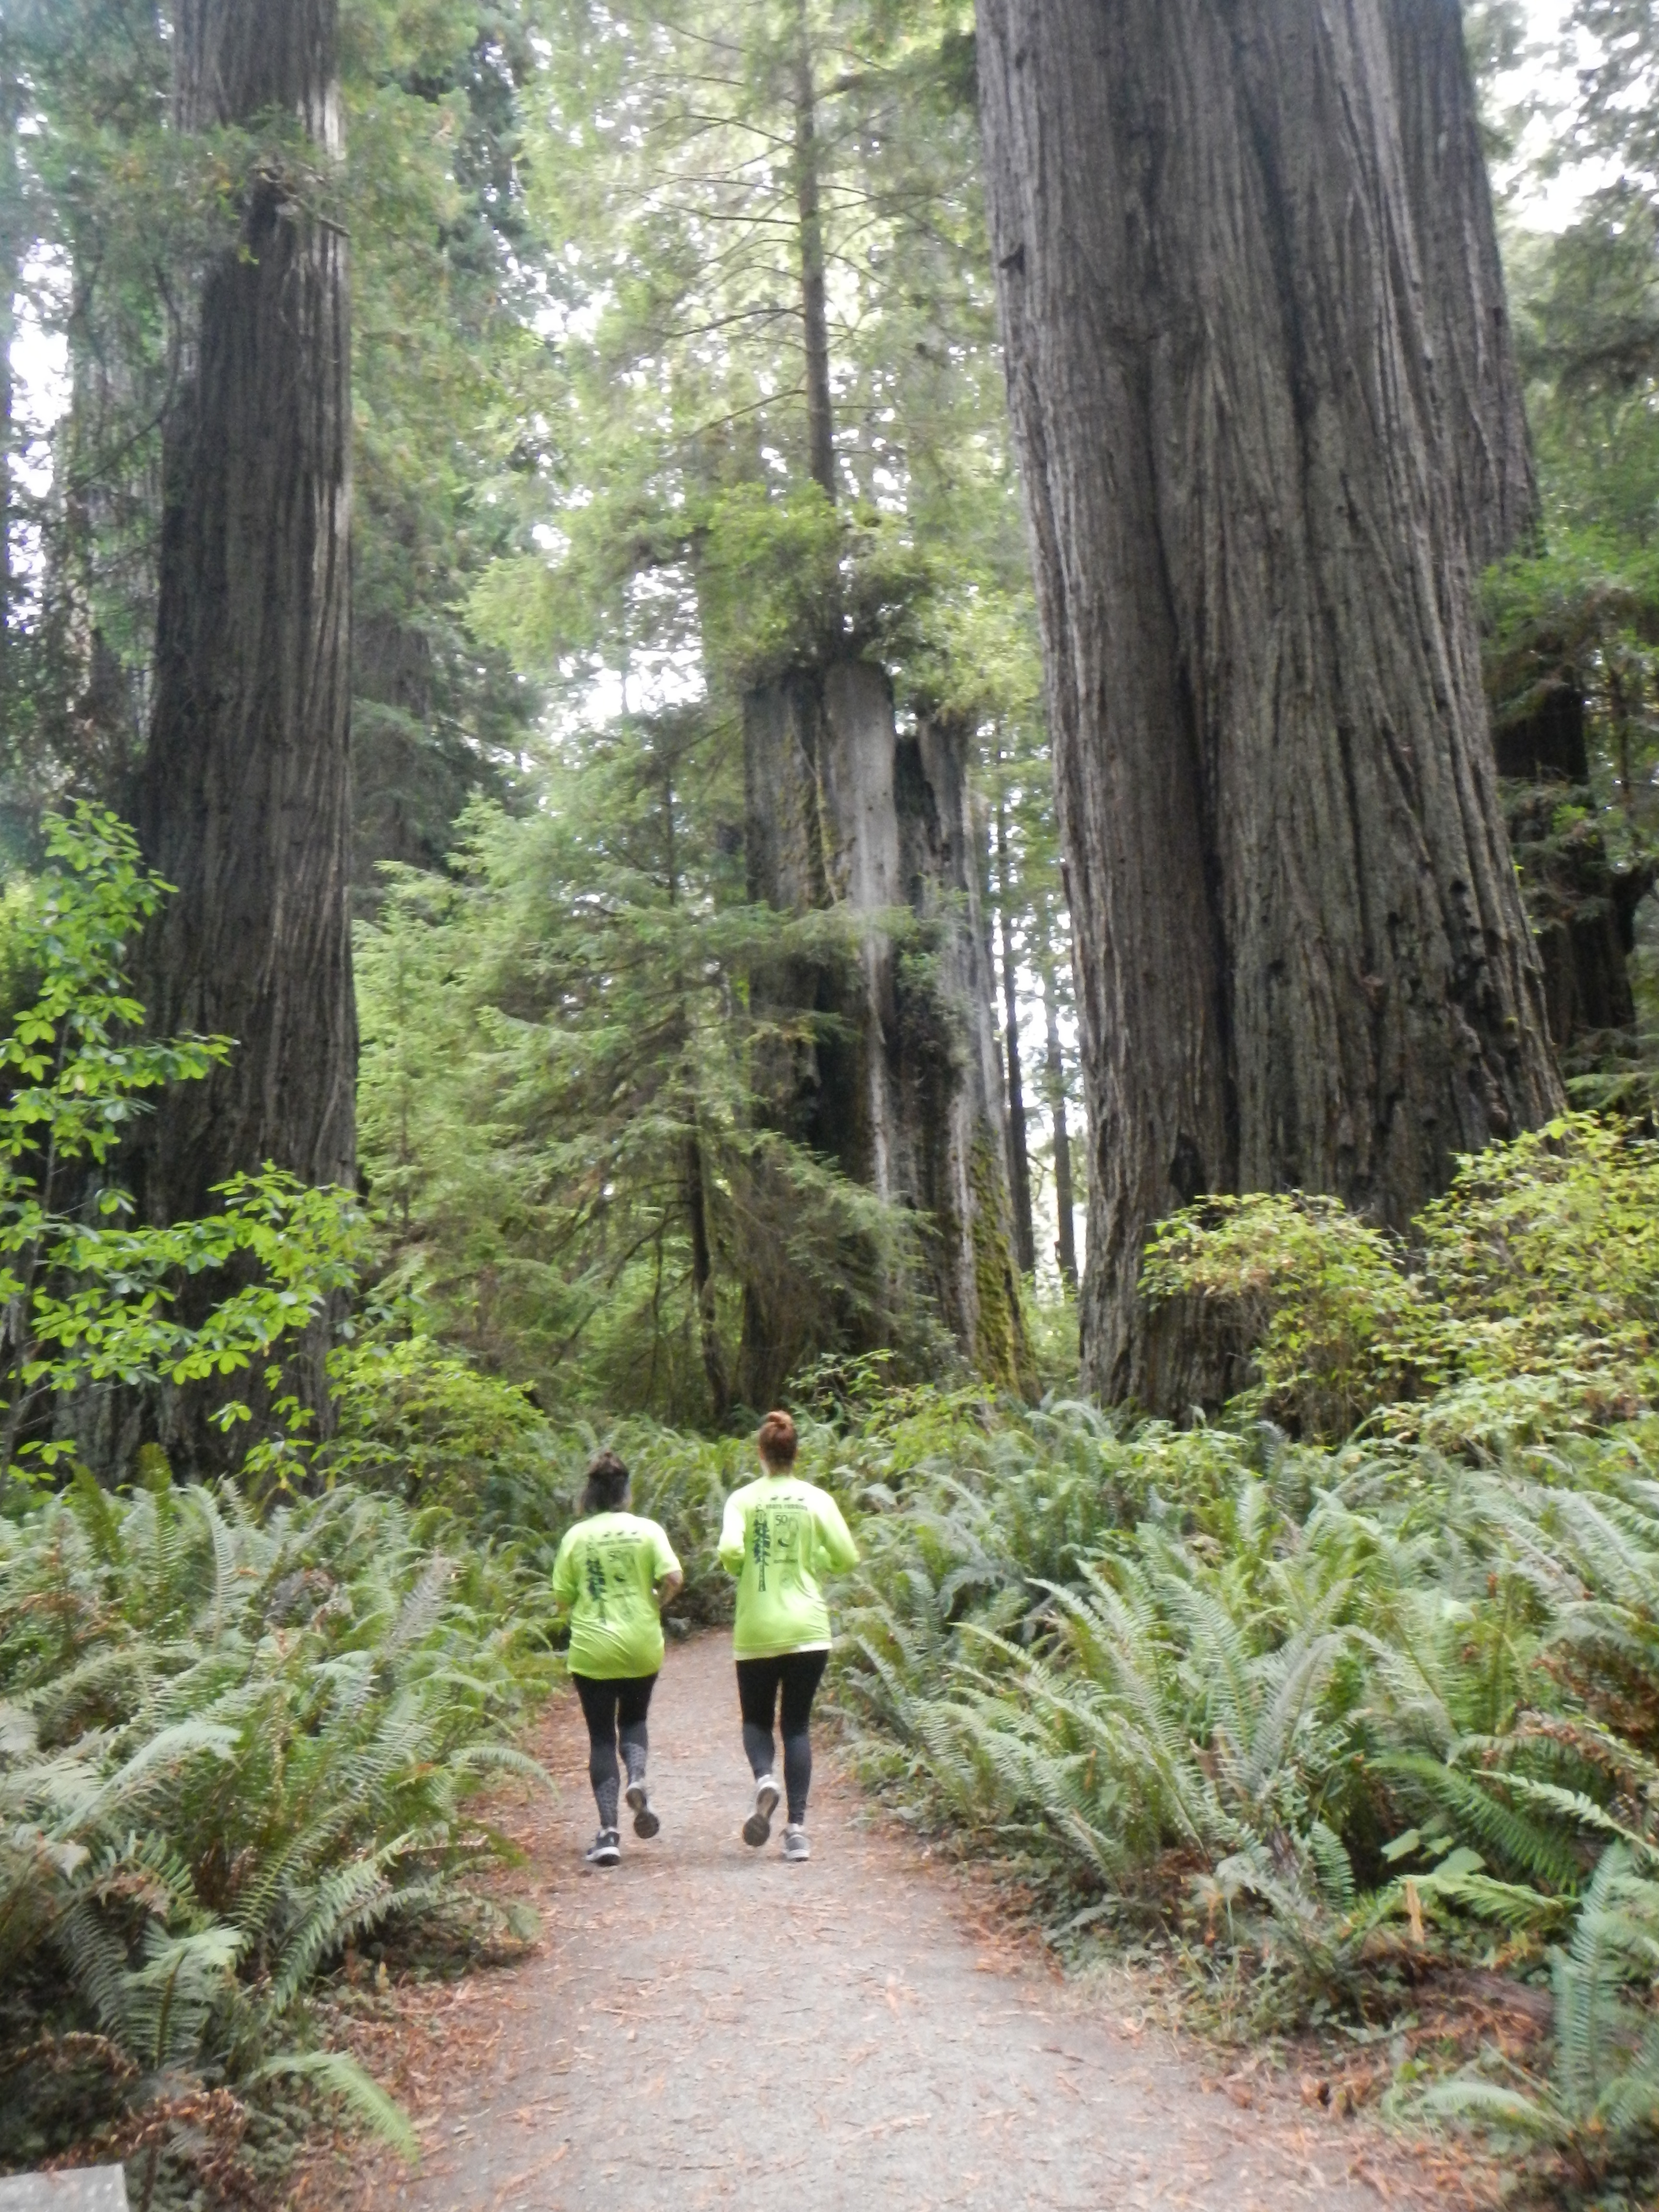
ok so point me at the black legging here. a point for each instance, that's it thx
(612, 1711)
(798, 1675)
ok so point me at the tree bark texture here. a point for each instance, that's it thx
(245, 796)
(899, 1081)
(1302, 957)
(1466, 310)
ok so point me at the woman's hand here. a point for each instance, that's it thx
(670, 1588)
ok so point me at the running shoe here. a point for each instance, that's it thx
(606, 1850)
(645, 1822)
(795, 1846)
(758, 1827)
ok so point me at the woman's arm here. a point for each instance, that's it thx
(670, 1587)
(731, 1536)
(835, 1547)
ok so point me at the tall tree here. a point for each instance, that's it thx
(1054, 1057)
(244, 801)
(1303, 958)
(776, 211)
(1019, 1156)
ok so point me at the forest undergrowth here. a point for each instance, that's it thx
(1346, 1707)
(1339, 1712)
(1330, 1709)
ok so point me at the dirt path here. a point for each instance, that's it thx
(706, 2025)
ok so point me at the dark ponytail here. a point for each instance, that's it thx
(607, 1483)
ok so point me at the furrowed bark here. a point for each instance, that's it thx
(244, 800)
(1303, 959)
(1465, 307)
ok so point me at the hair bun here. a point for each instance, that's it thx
(778, 1441)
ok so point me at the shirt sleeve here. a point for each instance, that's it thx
(732, 1536)
(662, 1554)
(566, 1579)
(836, 1544)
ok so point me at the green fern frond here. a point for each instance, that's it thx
(339, 2076)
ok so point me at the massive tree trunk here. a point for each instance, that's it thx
(245, 797)
(897, 1081)
(1488, 453)
(1302, 955)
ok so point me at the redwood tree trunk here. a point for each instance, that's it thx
(1019, 1156)
(1463, 300)
(1065, 1198)
(245, 797)
(1233, 333)
(901, 1086)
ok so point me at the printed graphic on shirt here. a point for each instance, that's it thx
(606, 1575)
(780, 1536)
(612, 1567)
(776, 1534)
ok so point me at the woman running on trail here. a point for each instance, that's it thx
(777, 1534)
(614, 1574)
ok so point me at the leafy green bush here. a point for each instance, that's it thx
(418, 1420)
(1524, 1302)
(89, 1293)
(228, 1748)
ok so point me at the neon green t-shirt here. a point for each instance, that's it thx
(778, 1534)
(605, 1577)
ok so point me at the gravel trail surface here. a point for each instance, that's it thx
(706, 2025)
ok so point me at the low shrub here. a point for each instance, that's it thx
(1524, 1302)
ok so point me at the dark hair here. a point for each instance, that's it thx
(607, 1483)
(778, 1442)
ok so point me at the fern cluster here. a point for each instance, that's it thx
(1330, 1721)
(229, 1746)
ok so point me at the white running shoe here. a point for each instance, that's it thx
(758, 1827)
(606, 1850)
(645, 1822)
(795, 1846)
